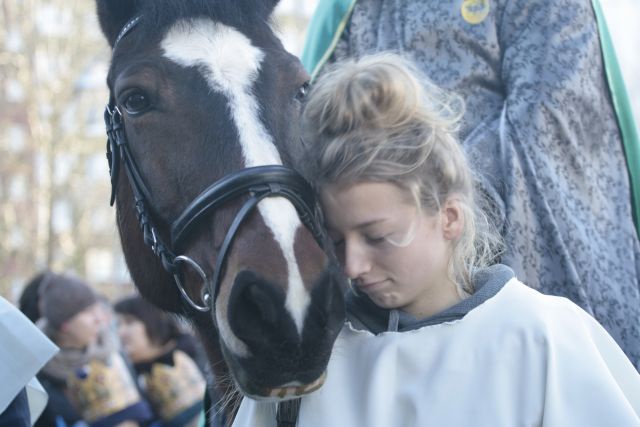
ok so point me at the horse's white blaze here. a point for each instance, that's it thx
(282, 219)
(231, 64)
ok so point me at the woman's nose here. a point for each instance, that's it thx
(356, 260)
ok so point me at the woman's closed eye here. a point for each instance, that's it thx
(375, 239)
(369, 238)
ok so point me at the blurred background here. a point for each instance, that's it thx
(54, 184)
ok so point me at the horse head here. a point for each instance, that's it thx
(214, 223)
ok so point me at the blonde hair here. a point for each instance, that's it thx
(379, 119)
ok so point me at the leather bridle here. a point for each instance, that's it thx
(257, 182)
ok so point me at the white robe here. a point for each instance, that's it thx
(519, 359)
(24, 350)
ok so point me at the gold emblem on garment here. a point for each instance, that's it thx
(474, 11)
(103, 388)
(173, 389)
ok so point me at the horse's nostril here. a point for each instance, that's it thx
(257, 295)
(256, 309)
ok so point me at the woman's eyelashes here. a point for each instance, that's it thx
(369, 239)
(375, 239)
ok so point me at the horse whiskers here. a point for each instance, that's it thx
(230, 400)
(228, 405)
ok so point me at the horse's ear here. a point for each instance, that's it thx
(271, 4)
(261, 9)
(113, 15)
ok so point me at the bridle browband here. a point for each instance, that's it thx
(257, 182)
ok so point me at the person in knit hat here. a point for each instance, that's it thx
(88, 380)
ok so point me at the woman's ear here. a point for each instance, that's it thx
(452, 219)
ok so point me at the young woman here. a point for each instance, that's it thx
(544, 129)
(436, 335)
(163, 359)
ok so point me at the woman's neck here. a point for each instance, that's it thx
(440, 298)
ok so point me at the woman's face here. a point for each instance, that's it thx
(82, 329)
(393, 253)
(134, 338)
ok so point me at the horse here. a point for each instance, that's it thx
(215, 223)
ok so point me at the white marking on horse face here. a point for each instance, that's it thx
(282, 218)
(231, 64)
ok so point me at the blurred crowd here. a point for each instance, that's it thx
(120, 364)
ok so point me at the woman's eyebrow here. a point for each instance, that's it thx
(370, 223)
(358, 226)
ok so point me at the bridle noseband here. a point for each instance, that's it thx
(257, 182)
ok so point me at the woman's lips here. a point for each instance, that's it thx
(371, 285)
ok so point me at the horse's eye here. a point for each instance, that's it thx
(302, 91)
(136, 103)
